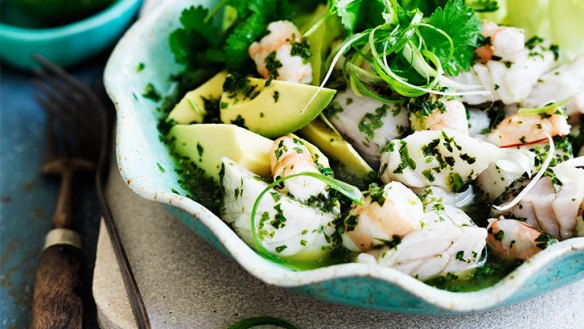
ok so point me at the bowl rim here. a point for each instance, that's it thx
(274, 274)
(116, 9)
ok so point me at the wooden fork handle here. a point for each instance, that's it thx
(56, 300)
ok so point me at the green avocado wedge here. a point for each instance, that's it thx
(334, 146)
(191, 108)
(206, 144)
(273, 108)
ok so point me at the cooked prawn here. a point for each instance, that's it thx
(278, 44)
(512, 239)
(451, 116)
(506, 67)
(504, 42)
(520, 129)
(449, 242)
(289, 156)
(386, 215)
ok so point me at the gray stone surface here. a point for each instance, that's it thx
(186, 283)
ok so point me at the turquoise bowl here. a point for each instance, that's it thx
(68, 44)
(140, 154)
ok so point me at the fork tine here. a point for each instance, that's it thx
(52, 109)
(82, 88)
(78, 85)
(71, 101)
(50, 152)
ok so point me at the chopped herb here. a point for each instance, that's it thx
(545, 240)
(272, 65)
(467, 158)
(140, 67)
(460, 256)
(301, 49)
(351, 222)
(499, 235)
(239, 121)
(556, 51)
(406, 161)
(428, 174)
(276, 96)
(279, 220)
(393, 243)
(372, 121)
(456, 183)
(332, 109)
(200, 150)
(160, 168)
(151, 93)
(281, 248)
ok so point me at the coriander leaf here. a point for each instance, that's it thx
(370, 14)
(347, 10)
(238, 42)
(427, 7)
(253, 16)
(195, 38)
(464, 28)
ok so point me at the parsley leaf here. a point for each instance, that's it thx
(253, 16)
(190, 44)
(347, 10)
(464, 28)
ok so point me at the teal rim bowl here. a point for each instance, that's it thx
(68, 44)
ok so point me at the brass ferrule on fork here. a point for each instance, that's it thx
(65, 236)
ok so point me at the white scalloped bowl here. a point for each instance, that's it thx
(140, 152)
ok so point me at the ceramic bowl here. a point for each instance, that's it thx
(68, 44)
(140, 153)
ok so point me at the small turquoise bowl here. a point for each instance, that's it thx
(68, 44)
(141, 155)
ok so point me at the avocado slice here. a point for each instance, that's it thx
(321, 41)
(334, 146)
(191, 108)
(206, 144)
(271, 108)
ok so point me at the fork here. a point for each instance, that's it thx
(85, 128)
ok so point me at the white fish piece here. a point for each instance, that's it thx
(508, 81)
(387, 214)
(569, 202)
(512, 239)
(560, 84)
(501, 173)
(477, 123)
(435, 194)
(555, 209)
(448, 159)
(286, 228)
(368, 124)
(278, 43)
(449, 242)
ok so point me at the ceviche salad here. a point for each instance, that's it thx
(442, 139)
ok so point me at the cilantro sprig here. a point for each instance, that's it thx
(463, 28)
(408, 51)
(200, 45)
